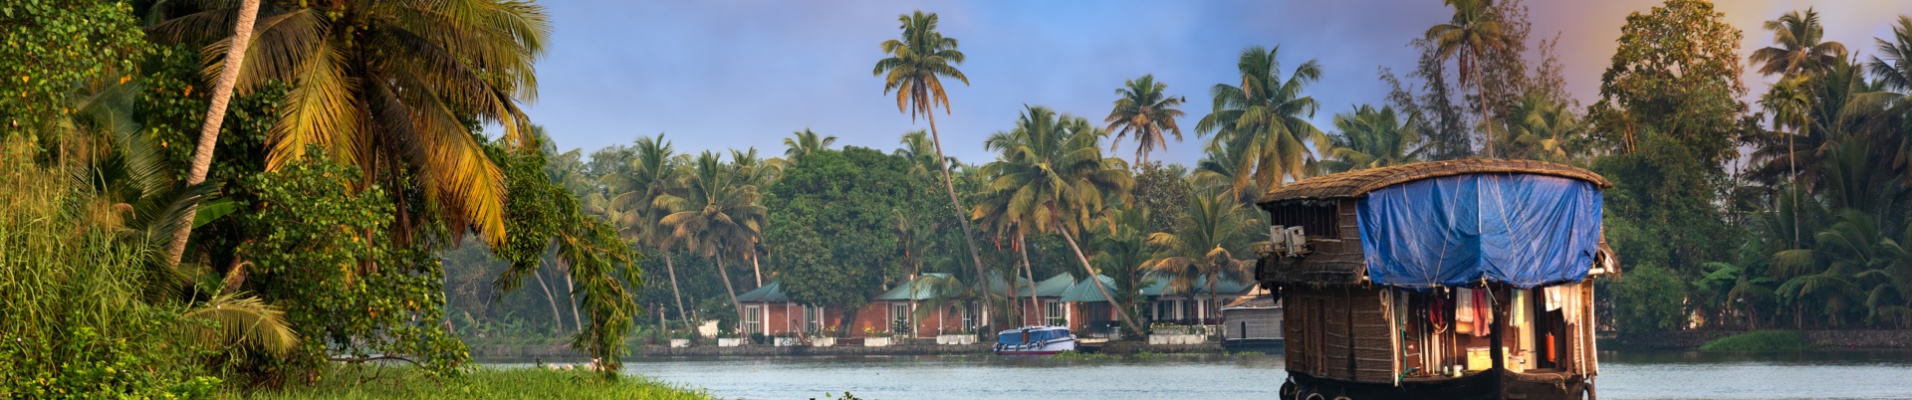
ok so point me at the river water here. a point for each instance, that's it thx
(1840, 375)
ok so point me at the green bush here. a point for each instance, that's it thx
(1649, 299)
(1758, 342)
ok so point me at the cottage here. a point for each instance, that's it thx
(770, 311)
(1090, 314)
(1453, 279)
(1170, 305)
(898, 307)
(1253, 323)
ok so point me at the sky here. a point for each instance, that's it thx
(724, 74)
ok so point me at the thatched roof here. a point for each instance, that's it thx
(1358, 183)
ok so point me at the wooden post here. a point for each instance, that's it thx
(1494, 337)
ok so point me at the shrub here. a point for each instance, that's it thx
(1758, 342)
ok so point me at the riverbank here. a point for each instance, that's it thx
(1825, 339)
(397, 383)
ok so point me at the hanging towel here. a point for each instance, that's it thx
(1484, 308)
(1519, 309)
(1464, 312)
(1553, 297)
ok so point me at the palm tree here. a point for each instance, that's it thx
(653, 174)
(1789, 103)
(1052, 170)
(921, 152)
(1797, 48)
(1143, 110)
(1371, 138)
(1467, 37)
(1265, 120)
(759, 173)
(918, 61)
(1545, 129)
(1217, 229)
(209, 133)
(804, 142)
(717, 215)
(390, 86)
(992, 211)
(1894, 68)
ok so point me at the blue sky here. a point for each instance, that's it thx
(739, 73)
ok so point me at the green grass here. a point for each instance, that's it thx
(1758, 342)
(525, 383)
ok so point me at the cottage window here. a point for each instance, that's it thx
(1057, 313)
(813, 319)
(753, 319)
(900, 318)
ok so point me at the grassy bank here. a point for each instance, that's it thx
(527, 383)
(1758, 342)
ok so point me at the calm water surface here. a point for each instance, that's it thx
(1844, 375)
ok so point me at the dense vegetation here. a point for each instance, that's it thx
(354, 211)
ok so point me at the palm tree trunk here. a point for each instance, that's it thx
(1214, 305)
(1022, 245)
(675, 293)
(1486, 112)
(1793, 167)
(756, 269)
(949, 182)
(733, 298)
(209, 132)
(556, 317)
(1120, 312)
(569, 298)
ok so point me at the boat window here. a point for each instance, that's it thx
(1316, 218)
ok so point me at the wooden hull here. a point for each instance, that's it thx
(1485, 385)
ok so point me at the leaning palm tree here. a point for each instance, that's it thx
(717, 215)
(1797, 47)
(1265, 120)
(992, 212)
(759, 173)
(209, 132)
(918, 61)
(1370, 138)
(1217, 229)
(1144, 111)
(1467, 38)
(802, 143)
(1052, 171)
(653, 174)
(391, 86)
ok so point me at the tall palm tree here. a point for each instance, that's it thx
(717, 215)
(802, 143)
(1265, 120)
(1370, 138)
(653, 174)
(759, 173)
(209, 133)
(1893, 64)
(390, 86)
(915, 67)
(1052, 170)
(992, 212)
(1144, 111)
(1217, 229)
(1789, 103)
(1473, 31)
(1797, 47)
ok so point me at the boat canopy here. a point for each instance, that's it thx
(1443, 223)
(1014, 336)
(1521, 229)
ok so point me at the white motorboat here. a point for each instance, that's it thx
(1035, 341)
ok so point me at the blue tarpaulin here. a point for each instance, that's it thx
(1521, 229)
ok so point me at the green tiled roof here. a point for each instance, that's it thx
(771, 293)
(1085, 292)
(1224, 286)
(916, 289)
(1055, 285)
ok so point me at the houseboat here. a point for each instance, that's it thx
(1034, 341)
(1462, 279)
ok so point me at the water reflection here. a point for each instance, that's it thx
(1624, 375)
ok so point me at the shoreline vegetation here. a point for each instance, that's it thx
(400, 383)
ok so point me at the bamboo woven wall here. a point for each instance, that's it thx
(1338, 332)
